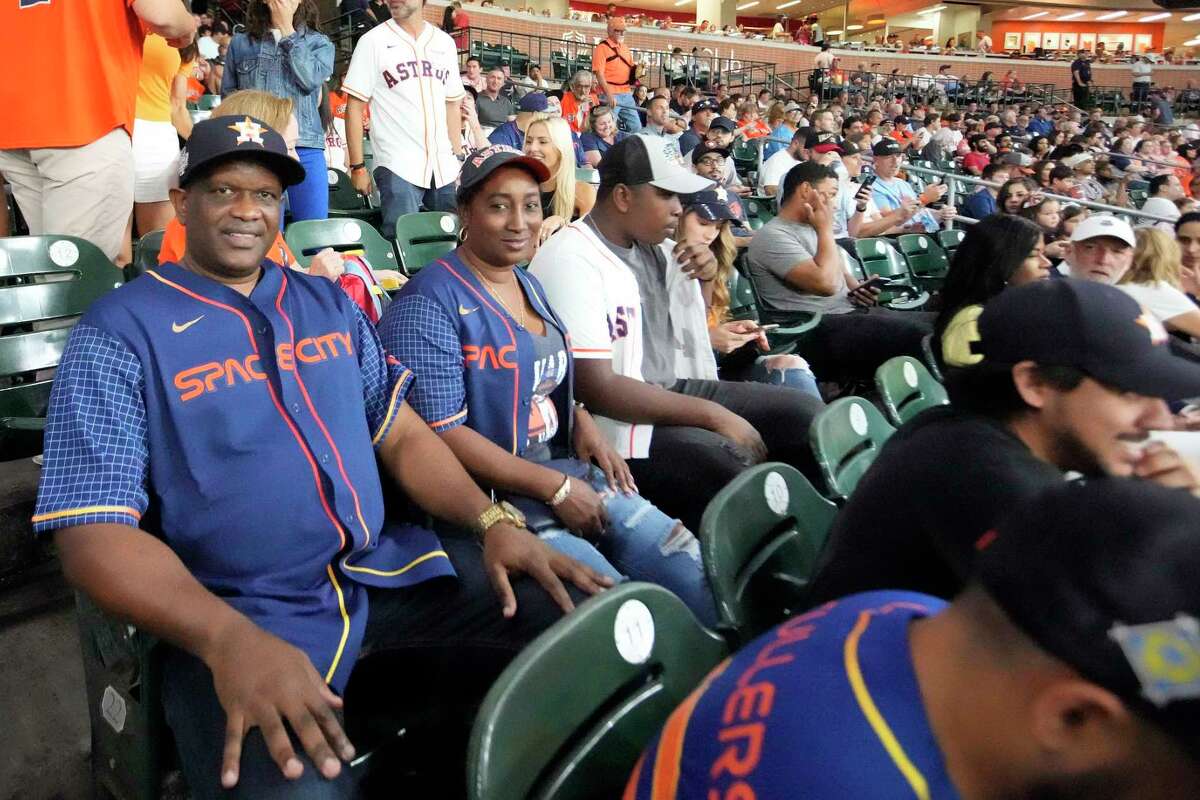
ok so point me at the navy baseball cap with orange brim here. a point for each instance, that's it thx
(220, 139)
(1101, 574)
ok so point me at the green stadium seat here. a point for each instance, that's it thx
(308, 237)
(208, 102)
(1138, 197)
(907, 388)
(846, 436)
(744, 303)
(880, 257)
(588, 175)
(935, 369)
(424, 237)
(951, 239)
(927, 261)
(45, 282)
(745, 158)
(760, 538)
(346, 203)
(569, 717)
(145, 254)
(760, 209)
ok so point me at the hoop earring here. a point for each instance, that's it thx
(462, 235)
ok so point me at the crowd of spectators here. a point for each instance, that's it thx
(548, 409)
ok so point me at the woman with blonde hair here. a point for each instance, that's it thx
(564, 199)
(1153, 280)
(708, 219)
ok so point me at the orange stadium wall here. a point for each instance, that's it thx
(1155, 29)
(789, 57)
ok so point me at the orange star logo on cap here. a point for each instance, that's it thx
(248, 131)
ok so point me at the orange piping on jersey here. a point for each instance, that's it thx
(79, 512)
(511, 338)
(443, 422)
(392, 406)
(665, 782)
(591, 349)
(312, 464)
(631, 787)
(312, 409)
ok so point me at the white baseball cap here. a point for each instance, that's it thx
(1077, 159)
(1104, 225)
(643, 158)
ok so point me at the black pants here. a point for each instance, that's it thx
(436, 647)
(687, 466)
(1140, 92)
(1081, 96)
(851, 346)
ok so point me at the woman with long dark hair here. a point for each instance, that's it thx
(1000, 251)
(282, 52)
(1013, 194)
(495, 379)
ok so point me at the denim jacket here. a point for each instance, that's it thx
(295, 68)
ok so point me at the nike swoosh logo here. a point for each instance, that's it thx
(463, 310)
(177, 328)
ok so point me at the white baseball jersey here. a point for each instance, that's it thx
(597, 297)
(408, 82)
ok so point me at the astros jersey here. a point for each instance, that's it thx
(240, 430)
(407, 83)
(83, 58)
(824, 707)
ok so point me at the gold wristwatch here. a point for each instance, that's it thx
(499, 512)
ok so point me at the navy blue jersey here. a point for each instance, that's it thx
(825, 706)
(245, 427)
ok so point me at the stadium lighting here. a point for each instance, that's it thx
(1154, 17)
(788, 4)
(744, 6)
(1111, 15)
(1035, 16)
(1076, 15)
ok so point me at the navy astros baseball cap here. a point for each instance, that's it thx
(534, 101)
(707, 104)
(481, 163)
(1091, 326)
(220, 139)
(641, 159)
(711, 204)
(1101, 573)
(723, 123)
(886, 146)
(704, 148)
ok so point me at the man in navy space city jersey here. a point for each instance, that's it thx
(211, 475)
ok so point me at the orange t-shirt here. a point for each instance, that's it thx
(174, 244)
(196, 90)
(575, 114)
(607, 61)
(755, 130)
(83, 59)
(160, 65)
(337, 106)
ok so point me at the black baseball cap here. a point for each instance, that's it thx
(1101, 574)
(827, 143)
(849, 148)
(483, 162)
(887, 146)
(724, 123)
(1090, 326)
(707, 104)
(900, 120)
(640, 159)
(711, 204)
(219, 139)
(704, 148)
(811, 137)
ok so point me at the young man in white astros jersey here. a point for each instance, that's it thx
(407, 70)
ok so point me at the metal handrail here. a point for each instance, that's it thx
(951, 178)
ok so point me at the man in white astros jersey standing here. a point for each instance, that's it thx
(407, 70)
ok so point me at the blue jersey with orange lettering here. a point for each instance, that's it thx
(240, 430)
(824, 706)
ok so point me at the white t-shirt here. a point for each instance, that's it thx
(823, 59)
(208, 47)
(1162, 300)
(1141, 71)
(597, 297)
(335, 145)
(985, 43)
(775, 167)
(408, 82)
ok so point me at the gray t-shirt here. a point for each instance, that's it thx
(494, 113)
(650, 268)
(774, 252)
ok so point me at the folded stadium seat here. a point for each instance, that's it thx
(308, 237)
(744, 303)
(145, 254)
(345, 201)
(927, 261)
(569, 717)
(760, 538)
(759, 211)
(208, 102)
(880, 257)
(846, 436)
(425, 236)
(935, 369)
(70, 273)
(559, 65)
(907, 388)
(951, 239)
(745, 159)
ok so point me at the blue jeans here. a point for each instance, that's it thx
(794, 376)
(641, 543)
(627, 115)
(309, 199)
(399, 197)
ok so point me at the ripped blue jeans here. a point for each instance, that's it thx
(640, 542)
(785, 370)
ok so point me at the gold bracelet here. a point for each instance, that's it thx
(562, 494)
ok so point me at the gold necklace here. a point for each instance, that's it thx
(494, 292)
